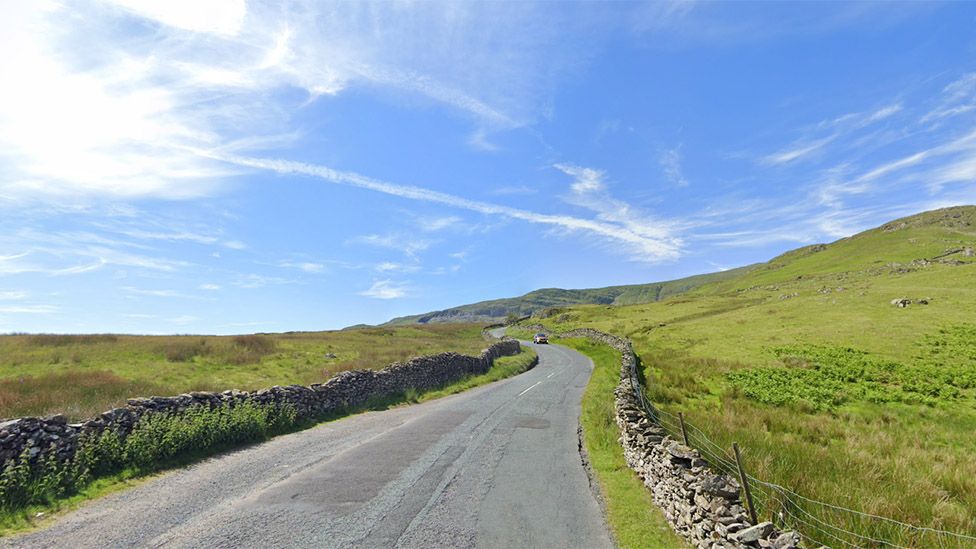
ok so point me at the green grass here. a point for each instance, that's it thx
(29, 498)
(82, 376)
(828, 388)
(633, 518)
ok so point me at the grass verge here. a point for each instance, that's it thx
(31, 495)
(632, 515)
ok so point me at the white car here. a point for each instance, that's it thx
(540, 338)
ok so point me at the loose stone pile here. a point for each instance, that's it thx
(701, 506)
(41, 437)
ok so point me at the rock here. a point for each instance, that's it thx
(722, 486)
(786, 540)
(58, 419)
(681, 454)
(754, 533)
(330, 355)
(10, 424)
(901, 302)
(968, 252)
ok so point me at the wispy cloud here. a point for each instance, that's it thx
(814, 142)
(306, 266)
(394, 241)
(386, 289)
(958, 97)
(435, 224)
(670, 161)
(796, 151)
(391, 266)
(513, 190)
(111, 99)
(29, 309)
(647, 241)
(183, 236)
(13, 295)
(155, 293)
(253, 280)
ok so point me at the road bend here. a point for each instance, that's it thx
(495, 466)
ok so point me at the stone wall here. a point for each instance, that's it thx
(701, 506)
(43, 436)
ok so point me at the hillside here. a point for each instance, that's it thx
(497, 310)
(846, 371)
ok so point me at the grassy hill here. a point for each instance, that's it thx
(497, 310)
(829, 387)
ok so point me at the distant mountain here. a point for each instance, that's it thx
(497, 310)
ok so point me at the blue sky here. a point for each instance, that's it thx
(224, 167)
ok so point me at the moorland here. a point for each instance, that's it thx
(83, 375)
(845, 371)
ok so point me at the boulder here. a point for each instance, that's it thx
(786, 540)
(754, 533)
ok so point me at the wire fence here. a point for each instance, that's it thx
(816, 522)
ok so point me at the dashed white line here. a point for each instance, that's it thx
(529, 389)
(550, 375)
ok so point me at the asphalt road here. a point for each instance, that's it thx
(496, 466)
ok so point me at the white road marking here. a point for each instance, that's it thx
(529, 389)
(550, 375)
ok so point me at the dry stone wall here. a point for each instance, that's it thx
(701, 506)
(40, 437)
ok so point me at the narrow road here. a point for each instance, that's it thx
(496, 466)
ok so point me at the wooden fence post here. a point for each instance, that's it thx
(745, 483)
(684, 432)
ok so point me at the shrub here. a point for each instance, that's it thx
(256, 343)
(184, 351)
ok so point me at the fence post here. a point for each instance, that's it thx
(684, 432)
(745, 483)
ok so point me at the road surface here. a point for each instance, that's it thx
(496, 466)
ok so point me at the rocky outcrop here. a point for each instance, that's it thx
(41, 437)
(703, 507)
(902, 302)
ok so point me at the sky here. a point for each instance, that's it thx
(238, 166)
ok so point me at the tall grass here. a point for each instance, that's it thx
(76, 393)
